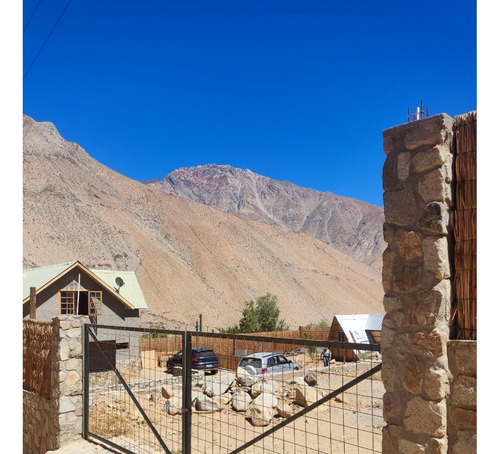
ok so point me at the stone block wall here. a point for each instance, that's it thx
(50, 423)
(416, 276)
(462, 402)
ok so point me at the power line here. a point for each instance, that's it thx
(31, 17)
(45, 42)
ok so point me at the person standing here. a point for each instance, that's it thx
(326, 354)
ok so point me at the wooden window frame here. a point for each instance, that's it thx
(64, 302)
(95, 306)
(94, 302)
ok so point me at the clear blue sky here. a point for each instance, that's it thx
(294, 90)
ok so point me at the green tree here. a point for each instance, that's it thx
(261, 315)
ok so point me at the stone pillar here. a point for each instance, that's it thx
(417, 179)
(69, 372)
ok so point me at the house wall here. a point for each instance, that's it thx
(429, 405)
(339, 353)
(113, 311)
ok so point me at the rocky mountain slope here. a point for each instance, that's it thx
(189, 258)
(351, 226)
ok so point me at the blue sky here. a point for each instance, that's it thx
(294, 90)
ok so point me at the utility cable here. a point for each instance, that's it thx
(45, 42)
(31, 17)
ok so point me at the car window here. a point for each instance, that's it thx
(282, 360)
(206, 354)
(255, 362)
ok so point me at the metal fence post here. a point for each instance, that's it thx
(186, 392)
(85, 376)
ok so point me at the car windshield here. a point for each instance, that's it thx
(255, 362)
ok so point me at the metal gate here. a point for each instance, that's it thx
(134, 405)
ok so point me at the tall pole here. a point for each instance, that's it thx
(33, 303)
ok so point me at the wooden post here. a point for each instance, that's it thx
(33, 303)
(201, 323)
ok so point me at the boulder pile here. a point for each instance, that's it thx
(259, 397)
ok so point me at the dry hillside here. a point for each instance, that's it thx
(189, 258)
(347, 224)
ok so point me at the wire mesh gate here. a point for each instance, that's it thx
(134, 405)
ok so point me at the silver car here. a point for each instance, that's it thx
(266, 363)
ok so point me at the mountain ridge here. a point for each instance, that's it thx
(351, 226)
(189, 258)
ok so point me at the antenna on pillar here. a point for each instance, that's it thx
(419, 114)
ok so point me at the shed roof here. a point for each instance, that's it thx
(130, 294)
(355, 326)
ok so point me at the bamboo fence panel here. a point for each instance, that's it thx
(465, 230)
(37, 357)
(226, 348)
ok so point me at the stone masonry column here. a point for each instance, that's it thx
(70, 377)
(417, 178)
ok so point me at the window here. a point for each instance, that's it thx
(122, 345)
(341, 336)
(67, 303)
(95, 303)
(72, 302)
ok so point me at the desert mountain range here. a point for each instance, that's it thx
(190, 258)
(349, 225)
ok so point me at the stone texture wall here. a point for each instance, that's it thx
(418, 203)
(462, 403)
(50, 423)
(70, 378)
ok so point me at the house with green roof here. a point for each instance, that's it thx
(106, 297)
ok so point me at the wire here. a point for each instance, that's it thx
(45, 42)
(32, 14)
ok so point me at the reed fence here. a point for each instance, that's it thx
(230, 351)
(465, 230)
(37, 356)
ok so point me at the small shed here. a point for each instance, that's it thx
(355, 328)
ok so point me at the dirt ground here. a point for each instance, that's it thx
(351, 422)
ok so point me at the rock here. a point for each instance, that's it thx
(261, 410)
(167, 391)
(245, 378)
(205, 403)
(285, 410)
(174, 405)
(261, 387)
(311, 379)
(241, 401)
(223, 399)
(216, 386)
(266, 400)
(306, 395)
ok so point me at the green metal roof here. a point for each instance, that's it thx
(131, 291)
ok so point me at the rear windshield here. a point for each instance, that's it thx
(206, 354)
(255, 362)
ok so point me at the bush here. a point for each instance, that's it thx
(260, 315)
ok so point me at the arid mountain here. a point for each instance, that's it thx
(351, 226)
(189, 258)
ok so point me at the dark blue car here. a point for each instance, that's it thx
(202, 359)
